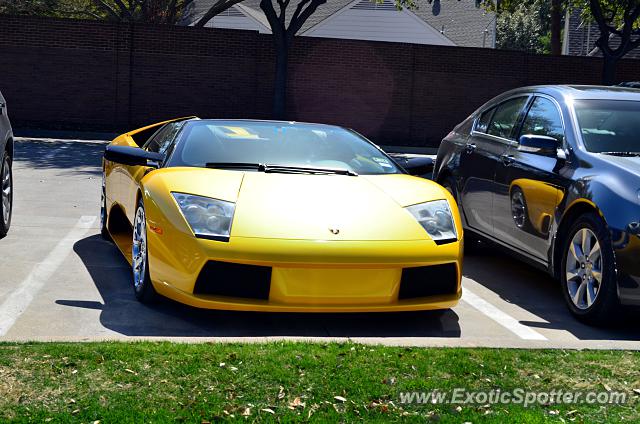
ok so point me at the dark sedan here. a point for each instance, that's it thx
(552, 173)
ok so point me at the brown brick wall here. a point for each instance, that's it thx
(98, 76)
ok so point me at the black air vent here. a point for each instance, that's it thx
(427, 281)
(234, 280)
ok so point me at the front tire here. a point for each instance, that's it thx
(588, 272)
(104, 217)
(142, 286)
(6, 195)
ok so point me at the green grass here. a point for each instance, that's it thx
(158, 382)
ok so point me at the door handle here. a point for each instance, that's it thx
(470, 148)
(507, 159)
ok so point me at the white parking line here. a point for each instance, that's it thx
(500, 317)
(20, 299)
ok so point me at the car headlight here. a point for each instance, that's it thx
(208, 218)
(437, 220)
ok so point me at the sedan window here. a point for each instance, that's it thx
(483, 122)
(543, 119)
(506, 116)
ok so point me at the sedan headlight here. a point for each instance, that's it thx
(208, 218)
(436, 218)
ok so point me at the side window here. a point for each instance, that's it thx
(163, 138)
(483, 122)
(506, 116)
(543, 119)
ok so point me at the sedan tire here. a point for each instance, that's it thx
(588, 275)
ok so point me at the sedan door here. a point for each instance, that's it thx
(530, 184)
(488, 142)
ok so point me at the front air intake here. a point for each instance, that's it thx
(428, 281)
(234, 280)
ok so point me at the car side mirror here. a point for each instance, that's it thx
(540, 144)
(418, 165)
(133, 156)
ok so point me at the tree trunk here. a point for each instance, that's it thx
(609, 70)
(280, 83)
(556, 27)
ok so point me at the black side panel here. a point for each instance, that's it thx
(428, 281)
(234, 280)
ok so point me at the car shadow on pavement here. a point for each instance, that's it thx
(81, 157)
(122, 313)
(538, 293)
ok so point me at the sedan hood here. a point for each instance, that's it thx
(631, 164)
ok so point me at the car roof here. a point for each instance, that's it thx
(580, 92)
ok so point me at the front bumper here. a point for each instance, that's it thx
(278, 275)
(627, 252)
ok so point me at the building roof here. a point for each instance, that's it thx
(460, 21)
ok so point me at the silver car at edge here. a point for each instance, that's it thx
(6, 176)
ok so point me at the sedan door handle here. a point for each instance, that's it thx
(470, 148)
(507, 159)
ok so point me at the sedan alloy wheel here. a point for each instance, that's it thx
(583, 268)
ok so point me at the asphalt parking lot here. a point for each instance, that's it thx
(60, 281)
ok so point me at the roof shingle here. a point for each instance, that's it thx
(460, 21)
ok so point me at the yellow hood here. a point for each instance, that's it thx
(310, 207)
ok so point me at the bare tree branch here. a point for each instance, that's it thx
(300, 17)
(272, 17)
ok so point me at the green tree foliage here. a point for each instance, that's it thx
(523, 27)
(28, 7)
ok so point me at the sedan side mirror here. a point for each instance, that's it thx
(418, 165)
(133, 156)
(540, 144)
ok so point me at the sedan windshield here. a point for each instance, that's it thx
(230, 144)
(609, 126)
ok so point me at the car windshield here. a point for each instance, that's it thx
(223, 144)
(609, 126)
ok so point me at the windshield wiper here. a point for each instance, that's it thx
(280, 169)
(621, 153)
(235, 165)
(284, 169)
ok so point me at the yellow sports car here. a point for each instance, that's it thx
(277, 216)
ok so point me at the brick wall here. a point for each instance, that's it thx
(66, 74)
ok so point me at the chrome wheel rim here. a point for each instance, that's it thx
(139, 250)
(583, 268)
(518, 208)
(6, 192)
